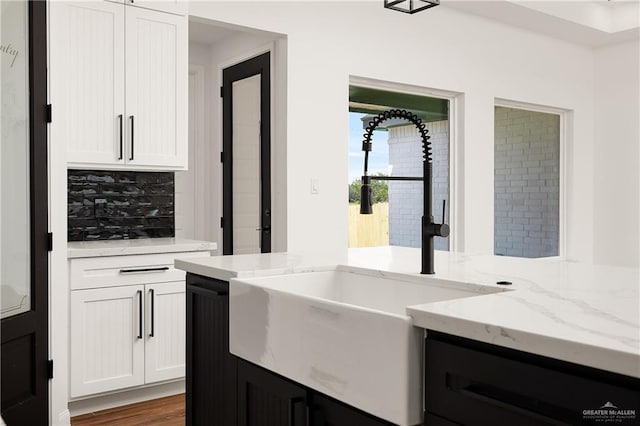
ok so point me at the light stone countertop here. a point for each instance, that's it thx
(581, 313)
(79, 249)
(256, 265)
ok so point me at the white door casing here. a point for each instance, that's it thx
(186, 185)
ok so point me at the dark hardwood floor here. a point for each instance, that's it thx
(167, 411)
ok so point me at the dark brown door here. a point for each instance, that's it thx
(23, 222)
(246, 157)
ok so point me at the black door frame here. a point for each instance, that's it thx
(29, 403)
(258, 65)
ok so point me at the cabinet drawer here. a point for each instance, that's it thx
(482, 385)
(113, 271)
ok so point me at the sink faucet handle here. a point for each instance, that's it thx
(441, 229)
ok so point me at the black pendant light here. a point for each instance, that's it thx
(410, 6)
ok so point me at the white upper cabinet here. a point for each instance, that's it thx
(157, 91)
(121, 75)
(93, 77)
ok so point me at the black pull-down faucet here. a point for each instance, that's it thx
(429, 228)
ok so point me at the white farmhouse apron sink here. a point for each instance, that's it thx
(342, 333)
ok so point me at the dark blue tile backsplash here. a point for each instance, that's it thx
(116, 205)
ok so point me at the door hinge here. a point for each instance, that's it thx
(50, 369)
(222, 156)
(222, 91)
(49, 113)
(50, 241)
(222, 222)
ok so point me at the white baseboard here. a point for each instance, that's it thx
(104, 402)
(64, 419)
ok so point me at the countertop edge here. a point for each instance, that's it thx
(112, 248)
(606, 359)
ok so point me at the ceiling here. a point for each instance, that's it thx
(206, 33)
(588, 22)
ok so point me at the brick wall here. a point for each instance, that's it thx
(526, 199)
(405, 198)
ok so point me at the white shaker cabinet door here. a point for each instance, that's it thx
(107, 339)
(89, 74)
(156, 93)
(165, 331)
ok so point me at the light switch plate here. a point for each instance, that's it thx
(315, 186)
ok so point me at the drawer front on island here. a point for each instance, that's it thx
(472, 383)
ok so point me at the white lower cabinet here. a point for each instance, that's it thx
(107, 351)
(165, 334)
(131, 329)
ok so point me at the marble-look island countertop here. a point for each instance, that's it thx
(581, 313)
(79, 249)
(256, 265)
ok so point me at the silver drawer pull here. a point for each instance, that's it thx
(132, 271)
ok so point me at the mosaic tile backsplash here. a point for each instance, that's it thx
(116, 205)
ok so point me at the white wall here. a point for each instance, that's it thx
(193, 187)
(617, 141)
(328, 42)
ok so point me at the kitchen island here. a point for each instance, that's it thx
(562, 316)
